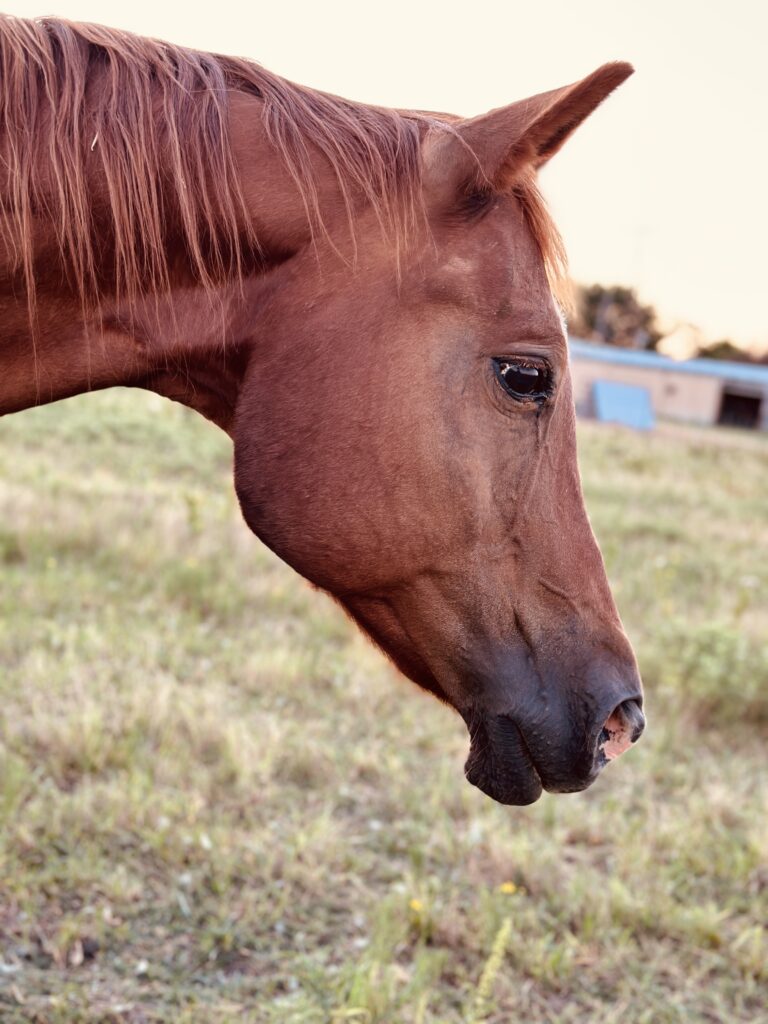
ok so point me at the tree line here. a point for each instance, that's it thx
(614, 315)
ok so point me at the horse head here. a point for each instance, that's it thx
(405, 438)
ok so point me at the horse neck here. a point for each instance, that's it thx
(191, 344)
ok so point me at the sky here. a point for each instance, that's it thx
(664, 188)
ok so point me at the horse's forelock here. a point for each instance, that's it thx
(547, 237)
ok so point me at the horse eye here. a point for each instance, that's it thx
(523, 379)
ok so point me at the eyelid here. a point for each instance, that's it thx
(534, 362)
(505, 365)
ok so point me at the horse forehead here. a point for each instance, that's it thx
(497, 275)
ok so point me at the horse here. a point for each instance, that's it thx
(365, 300)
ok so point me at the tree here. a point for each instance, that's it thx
(615, 316)
(726, 349)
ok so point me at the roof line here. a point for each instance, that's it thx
(722, 369)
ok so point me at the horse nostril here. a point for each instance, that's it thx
(634, 718)
(623, 727)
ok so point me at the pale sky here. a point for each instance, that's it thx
(664, 188)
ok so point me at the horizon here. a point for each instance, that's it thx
(645, 193)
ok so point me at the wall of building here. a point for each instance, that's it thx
(676, 396)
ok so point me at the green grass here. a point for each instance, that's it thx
(218, 803)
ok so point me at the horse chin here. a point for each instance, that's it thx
(499, 763)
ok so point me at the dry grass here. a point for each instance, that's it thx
(218, 804)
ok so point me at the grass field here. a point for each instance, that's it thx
(218, 804)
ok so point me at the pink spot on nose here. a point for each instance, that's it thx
(618, 737)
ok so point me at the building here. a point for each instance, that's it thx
(703, 391)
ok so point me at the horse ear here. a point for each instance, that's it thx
(491, 150)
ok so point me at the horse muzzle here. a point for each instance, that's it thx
(512, 760)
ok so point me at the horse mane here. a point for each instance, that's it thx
(154, 116)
